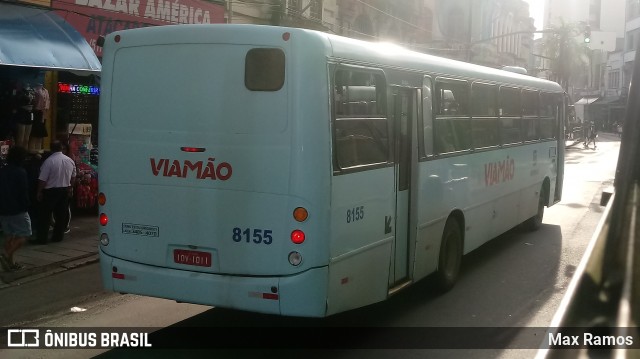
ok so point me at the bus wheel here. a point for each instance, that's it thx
(450, 255)
(534, 223)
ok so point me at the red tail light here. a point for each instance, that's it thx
(103, 219)
(297, 236)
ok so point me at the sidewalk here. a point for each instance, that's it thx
(79, 247)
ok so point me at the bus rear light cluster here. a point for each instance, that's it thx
(102, 199)
(297, 236)
(295, 258)
(104, 239)
(300, 214)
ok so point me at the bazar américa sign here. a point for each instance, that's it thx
(95, 18)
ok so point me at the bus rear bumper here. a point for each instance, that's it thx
(302, 294)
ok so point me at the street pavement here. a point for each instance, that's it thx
(79, 247)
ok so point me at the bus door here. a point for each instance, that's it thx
(405, 114)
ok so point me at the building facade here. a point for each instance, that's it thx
(468, 30)
(599, 82)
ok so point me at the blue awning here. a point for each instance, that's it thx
(34, 37)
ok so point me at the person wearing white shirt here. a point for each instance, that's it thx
(55, 187)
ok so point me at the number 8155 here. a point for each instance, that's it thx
(355, 214)
(255, 236)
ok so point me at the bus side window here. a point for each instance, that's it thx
(427, 117)
(530, 115)
(445, 140)
(452, 127)
(360, 125)
(360, 142)
(510, 112)
(484, 119)
(548, 115)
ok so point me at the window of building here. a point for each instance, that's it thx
(315, 10)
(294, 6)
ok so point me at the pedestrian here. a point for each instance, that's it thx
(55, 187)
(619, 130)
(14, 206)
(592, 134)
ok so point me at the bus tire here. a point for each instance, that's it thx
(534, 223)
(450, 257)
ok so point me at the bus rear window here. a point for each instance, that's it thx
(264, 70)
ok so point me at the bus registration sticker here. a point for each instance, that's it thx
(140, 230)
(193, 258)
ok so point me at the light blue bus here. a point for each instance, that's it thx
(298, 173)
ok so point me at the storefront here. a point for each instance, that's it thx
(38, 47)
(609, 112)
(45, 66)
(50, 47)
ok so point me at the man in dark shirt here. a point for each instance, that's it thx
(14, 204)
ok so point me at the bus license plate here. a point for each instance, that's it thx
(192, 258)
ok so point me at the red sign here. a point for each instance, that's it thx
(499, 171)
(176, 168)
(94, 18)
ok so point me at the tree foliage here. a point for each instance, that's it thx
(569, 57)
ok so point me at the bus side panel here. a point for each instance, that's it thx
(304, 294)
(359, 279)
(443, 185)
(496, 190)
(362, 203)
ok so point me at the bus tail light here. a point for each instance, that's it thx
(300, 214)
(297, 236)
(102, 199)
(103, 219)
(295, 258)
(104, 239)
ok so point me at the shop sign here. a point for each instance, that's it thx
(95, 18)
(78, 89)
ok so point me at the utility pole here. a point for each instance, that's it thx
(229, 12)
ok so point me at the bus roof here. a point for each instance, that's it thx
(339, 48)
(394, 55)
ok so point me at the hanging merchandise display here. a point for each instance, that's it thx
(80, 150)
